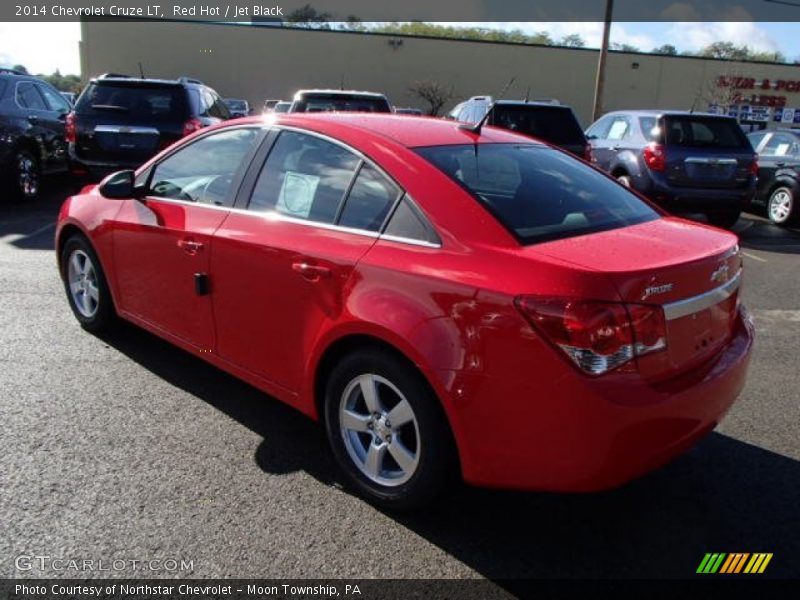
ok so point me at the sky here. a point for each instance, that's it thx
(45, 47)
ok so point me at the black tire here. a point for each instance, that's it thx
(104, 315)
(781, 209)
(436, 468)
(25, 176)
(724, 220)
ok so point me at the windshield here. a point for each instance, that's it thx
(539, 193)
(236, 104)
(341, 102)
(553, 124)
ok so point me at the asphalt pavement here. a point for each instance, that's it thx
(126, 448)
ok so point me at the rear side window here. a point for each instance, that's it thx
(649, 128)
(688, 131)
(29, 97)
(204, 170)
(304, 177)
(55, 101)
(142, 103)
(538, 193)
(408, 223)
(781, 144)
(369, 200)
(553, 124)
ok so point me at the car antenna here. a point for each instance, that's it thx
(141, 71)
(527, 94)
(476, 128)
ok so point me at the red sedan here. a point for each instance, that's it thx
(448, 302)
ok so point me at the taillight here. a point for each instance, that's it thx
(192, 125)
(597, 336)
(754, 165)
(655, 157)
(587, 153)
(70, 131)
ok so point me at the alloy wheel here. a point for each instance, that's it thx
(379, 430)
(27, 175)
(780, 206)
(83, 286)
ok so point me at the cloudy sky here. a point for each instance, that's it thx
(22, 43)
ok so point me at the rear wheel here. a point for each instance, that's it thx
(387, 430)
(780, 206)
(725, 220)
(26, 175)
(85, 285)
(624, 179)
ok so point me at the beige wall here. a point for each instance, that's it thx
(271, 62)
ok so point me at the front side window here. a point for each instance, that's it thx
(598, 130)
(538, 193)
(781, 144)
(204, 170)
(304, 177)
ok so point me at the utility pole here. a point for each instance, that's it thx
(601, 64)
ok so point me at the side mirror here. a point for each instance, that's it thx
(591, 137)
(120, 186)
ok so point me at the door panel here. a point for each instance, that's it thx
(275, 282)
(159, 248)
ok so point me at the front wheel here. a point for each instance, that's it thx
(780, 207)
(86, 285)
(387, 430)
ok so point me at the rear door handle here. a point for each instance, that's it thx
(780, 164)
(310, 272)
(33, 119)
(190, 246)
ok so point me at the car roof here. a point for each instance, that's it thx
(531, 103)
(407, 130)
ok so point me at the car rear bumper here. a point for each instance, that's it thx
(81, 168)
(689, 200)
(587, 434)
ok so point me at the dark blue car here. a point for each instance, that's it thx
(687, 163)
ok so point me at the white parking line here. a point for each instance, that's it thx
(754, 257)
(40, 230)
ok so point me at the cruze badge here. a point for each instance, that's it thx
(720, 275)
(657, 289)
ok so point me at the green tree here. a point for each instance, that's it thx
(573, 40)
(727, 50)
(20, 68)
(623, 47)
(667, 49)
(308, 16)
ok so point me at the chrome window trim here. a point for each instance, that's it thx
(688, 306)
(411, 241)
(696, 160)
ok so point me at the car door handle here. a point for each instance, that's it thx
(780, 164)
(33, 119)
(190, 246)
(310, 272)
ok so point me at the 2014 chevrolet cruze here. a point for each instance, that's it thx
(449, 302)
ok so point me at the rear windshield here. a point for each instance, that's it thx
(236, 104)
(552, 124)
(137, 103)
(539, 193)
(341, 102)
(688, 131)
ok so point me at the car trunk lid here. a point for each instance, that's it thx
(691, 271)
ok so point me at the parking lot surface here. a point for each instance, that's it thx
(123, 447)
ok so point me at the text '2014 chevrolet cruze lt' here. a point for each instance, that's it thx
(450, 302)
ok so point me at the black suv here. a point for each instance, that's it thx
(685, 162)
(550, 122)
(32, 115)
(119, 122)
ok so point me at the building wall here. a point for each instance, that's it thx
(257, 63)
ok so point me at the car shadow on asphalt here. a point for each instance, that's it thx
(31, 225)
(723, 496)
(757, 233)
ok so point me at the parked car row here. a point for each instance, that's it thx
(684, 162)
